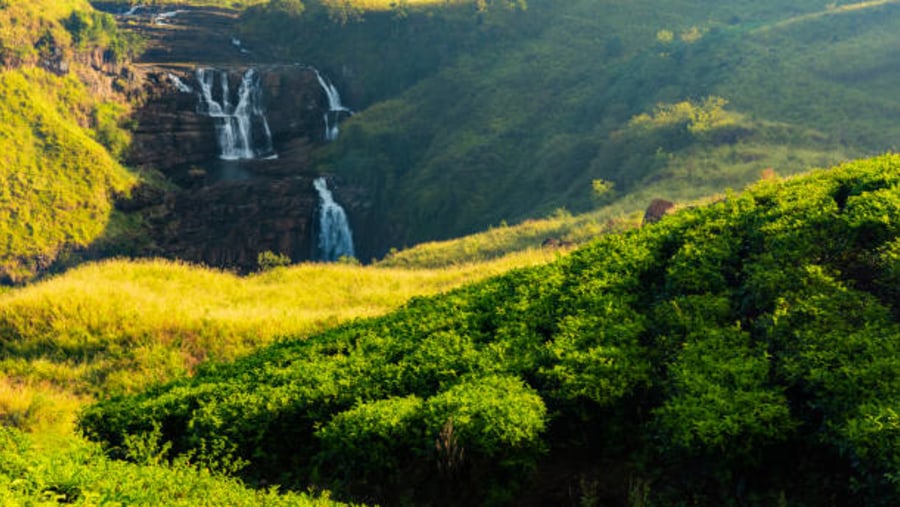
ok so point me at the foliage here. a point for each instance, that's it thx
(35, 472)
(99, 29)
(473, 118)
(739, 352)
(269, 260)
(119, 319)
(59, 183)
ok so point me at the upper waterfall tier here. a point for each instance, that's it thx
(242, 130)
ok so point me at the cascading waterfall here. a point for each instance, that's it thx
(237, 125)
(335, 108)
(335, 237)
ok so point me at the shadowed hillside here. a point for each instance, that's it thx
(470, 117)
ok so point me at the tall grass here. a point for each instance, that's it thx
(119, 326)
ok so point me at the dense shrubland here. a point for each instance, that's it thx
(743, 352)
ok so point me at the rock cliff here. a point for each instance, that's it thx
(228, 224)
(224, 213)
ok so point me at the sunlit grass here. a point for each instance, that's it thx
(119, 326)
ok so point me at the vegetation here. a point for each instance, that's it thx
(61, 134)
(742, 352)
(471, 118)
(53, 472)
(559, 230)
(92, 29)
(115, 327)
(58, 181)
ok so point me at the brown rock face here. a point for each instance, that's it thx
(656, 210)
(229, 224)
(227, 212)
(172, 135)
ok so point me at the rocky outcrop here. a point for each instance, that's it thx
(172, 137)
(225, 213)
(170, 134)
(229, 224)
(657, 209)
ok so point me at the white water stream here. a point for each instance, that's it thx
(335, 236)
(335, 107)
(241, 128)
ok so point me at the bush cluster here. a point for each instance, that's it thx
(737, 352)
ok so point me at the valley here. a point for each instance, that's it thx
(468, 252)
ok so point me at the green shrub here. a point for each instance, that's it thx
(740, 350)
(270, 260)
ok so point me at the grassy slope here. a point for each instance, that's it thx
(522, 123)
(735, 350)
(119, 326)
(58, 180)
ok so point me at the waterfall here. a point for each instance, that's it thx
(239, 45)
(180, 85)
(335, 108)
(335, 237)
(237, 125)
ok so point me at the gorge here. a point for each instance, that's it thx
(237, 143)
(235, 137)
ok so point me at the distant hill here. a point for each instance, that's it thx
(743, 351)
(467, 117)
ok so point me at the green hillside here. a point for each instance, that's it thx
(467, 118)
(741, 352)
(115, 327)
(60, 134)
(738, 353)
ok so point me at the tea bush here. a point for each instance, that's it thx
(745, 349)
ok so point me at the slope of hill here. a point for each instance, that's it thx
(60, 133)
(468, 118)
(121, 326)
(743, 352)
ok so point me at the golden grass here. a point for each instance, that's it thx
(38, 407)
(119, 326)
(498, 241)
